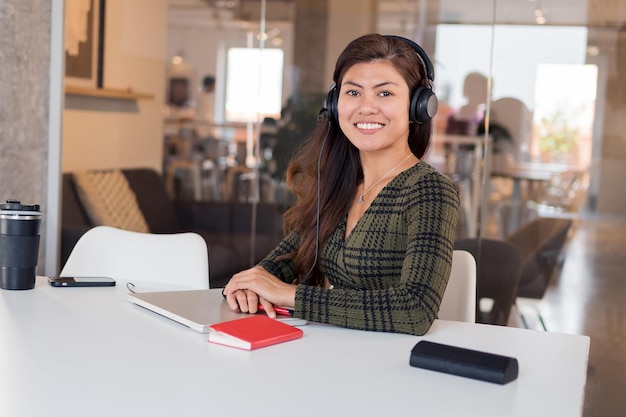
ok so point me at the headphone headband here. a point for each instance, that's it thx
(430, 71)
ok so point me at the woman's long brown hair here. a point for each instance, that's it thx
(339, 161)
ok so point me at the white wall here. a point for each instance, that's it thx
(114, 133)
(344, 25)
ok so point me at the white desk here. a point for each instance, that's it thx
(89, 352)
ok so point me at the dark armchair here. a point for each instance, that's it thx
(225, 226)
(542, 242)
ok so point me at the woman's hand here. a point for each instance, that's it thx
(248, 288)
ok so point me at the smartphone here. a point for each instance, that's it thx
(81, 281)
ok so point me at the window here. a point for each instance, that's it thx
(254, 84)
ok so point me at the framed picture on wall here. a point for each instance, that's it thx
(84, 43)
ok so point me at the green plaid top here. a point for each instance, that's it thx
(390, 273)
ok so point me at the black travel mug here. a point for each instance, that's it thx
(19, 245)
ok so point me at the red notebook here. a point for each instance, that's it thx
(253, 332)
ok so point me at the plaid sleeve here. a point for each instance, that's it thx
(283, 269)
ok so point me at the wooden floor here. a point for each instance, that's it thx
(588, 297)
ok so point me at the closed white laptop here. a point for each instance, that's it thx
(196, 309)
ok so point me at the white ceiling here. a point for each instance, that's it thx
(555, 12)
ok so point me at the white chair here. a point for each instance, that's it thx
(459, 299)
(159, 261)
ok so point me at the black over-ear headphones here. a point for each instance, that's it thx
(424, 102)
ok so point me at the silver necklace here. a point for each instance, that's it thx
(382, 178)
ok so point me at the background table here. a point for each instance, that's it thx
(533, 173)
(89, 352)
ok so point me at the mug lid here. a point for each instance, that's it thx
(15, 205)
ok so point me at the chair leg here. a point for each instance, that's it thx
(535, 308)
(521, 316)
(543, 323)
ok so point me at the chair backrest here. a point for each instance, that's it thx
(512, 114)
(541, 242)
(459, 299)
(168, 261)
(499, 268)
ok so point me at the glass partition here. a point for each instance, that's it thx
(529, 95)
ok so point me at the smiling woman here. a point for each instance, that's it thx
(369, 239)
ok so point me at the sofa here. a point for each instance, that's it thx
(225, 226)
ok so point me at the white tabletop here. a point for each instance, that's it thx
(89, 352)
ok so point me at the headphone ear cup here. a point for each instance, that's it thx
(330, 104)
(424, 105)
